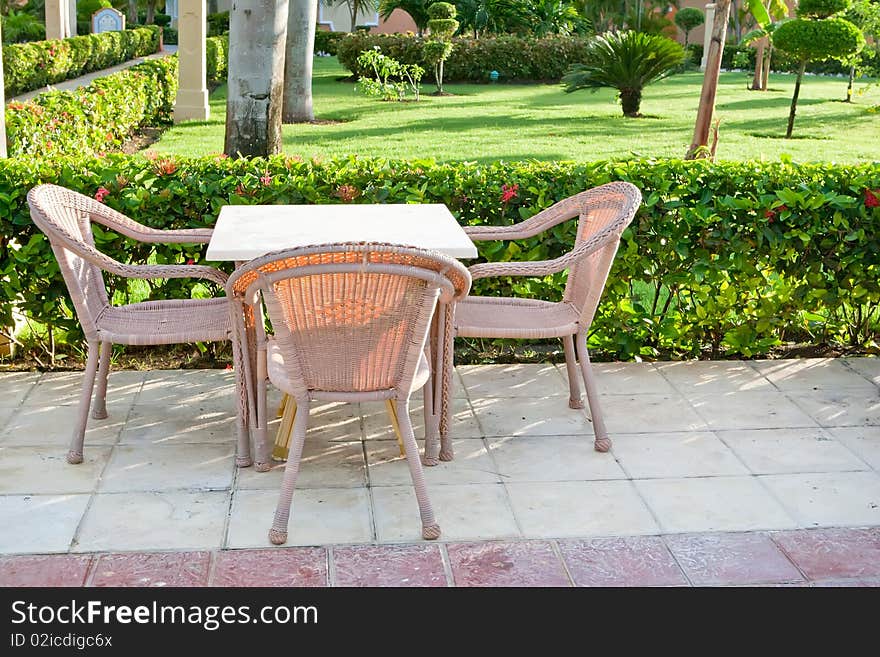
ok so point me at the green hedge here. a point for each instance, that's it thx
(100, 116)
(28, 66)
(328, 42)
(869, 59)
(727, 258)
(515, 58)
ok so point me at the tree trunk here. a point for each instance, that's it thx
(849, 87)
(440, 77)
(631, 101)
(132, 16)
(794, 98)
(353, 13)
(257, 30)
(151, 12)
(766, 79)
(757, 81)
(710, 82)
(301, 21)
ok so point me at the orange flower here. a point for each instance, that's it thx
(164, 166)
(347, 193)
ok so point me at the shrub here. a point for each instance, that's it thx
(821, 8)
(169, 36)
(327, 42)
(626, 61)
(20, 27)
(687, 19)
(218, 23)
(728, 258)
(390, 80)
(217, 58)
(515, 58)
(85, 9)
(29, 66)
(162, 20)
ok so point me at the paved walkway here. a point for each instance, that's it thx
(768, 463)
(82, 81)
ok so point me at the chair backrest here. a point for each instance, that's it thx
(604, 211)
(65, 217)
(351, 317)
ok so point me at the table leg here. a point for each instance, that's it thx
(446, 338)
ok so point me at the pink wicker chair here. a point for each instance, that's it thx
(350, 323)
(604, 212)
(66, 217)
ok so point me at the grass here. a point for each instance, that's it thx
(514, 122)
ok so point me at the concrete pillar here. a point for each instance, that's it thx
(71, 17)
(192, 94)
(57, 19)
(707, 37)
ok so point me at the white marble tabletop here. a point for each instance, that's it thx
(245, 232)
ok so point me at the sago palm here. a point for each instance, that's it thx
(626, 61)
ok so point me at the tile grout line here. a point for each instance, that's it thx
(554, 547)
(330, 561)
(671, 553)
(447, 565)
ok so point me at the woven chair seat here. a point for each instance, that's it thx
(278, 374)
(165, 322)
(505, 317)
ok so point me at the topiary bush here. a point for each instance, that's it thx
(687, 19)
(722, 259)
(821, 8)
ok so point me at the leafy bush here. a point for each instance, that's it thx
(162, 20)
(169, 35)
(217, 58)
(829, 38)
(626, 61)
(821, 8)
(85, 9)
(390, 80)
(515, 58)
(100, 116)
(218, 23)
(328, 42)
(20, 27)
(36, 64)
(727, 258)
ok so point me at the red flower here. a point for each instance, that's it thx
(164, 166)
(347, 193)
(769, 214)
(101, 194)
(266, 179)
(508, 192)
(190, 262)
(871, 200)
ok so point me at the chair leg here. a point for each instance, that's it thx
(430, 528)
(243, 417)
(99, 411)
(278, 532)
(75, 454)
(282, 437)
(574, 388)
(392, 413)
(602, 442)
(262, 461)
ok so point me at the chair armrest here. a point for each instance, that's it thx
(119, 223)
(522, 230)
(169, 271)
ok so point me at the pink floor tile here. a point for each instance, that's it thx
(849, 583)
(506, 564)
(152, 569)
(638, 561)
(833, 553)
(732, 559)
(403, 565)
(44, 570)
(284, 567)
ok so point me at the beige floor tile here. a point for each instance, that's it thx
(154, 521)
(15, 386)
(551, 458)
(539, 380)
(471, 465)
(774, 451)
(39, 523)
(626, 379)
(752, 409)
(464, 512)
(713, 504)
(188, 386)
(168, 467)
(811, 374)
(684, 454)
(63, 388)
(377, 425)
(649, 414)
(53, 425)
(169, 425)
(575, 508)
(841, 408)
(6, 413)
(547, 416)
(697, 376)
(318, 516)
(45, 470)
(867, 367)
(325, 464)
(863, 441)
(829, 499)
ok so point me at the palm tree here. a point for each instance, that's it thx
(626, 61)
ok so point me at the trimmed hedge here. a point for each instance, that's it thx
(28, 66)
(729, 258)
(100, 116)
(517, 59)
(869, 59)
(328, 42)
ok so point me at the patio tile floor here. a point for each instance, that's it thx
(720, 474)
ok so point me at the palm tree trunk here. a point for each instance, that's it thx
(766, 78)
(151, 12)
(132, 14)
(630, 101)
(757, 82)
(794, 99)
(257, 30)
(700, 141)
(301, 20)
(353, 13)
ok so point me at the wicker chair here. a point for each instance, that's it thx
(66, 217)
(604, 212)
(350, 323)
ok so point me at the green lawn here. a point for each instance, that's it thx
(513, 122)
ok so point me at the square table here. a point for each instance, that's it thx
(245, 232)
